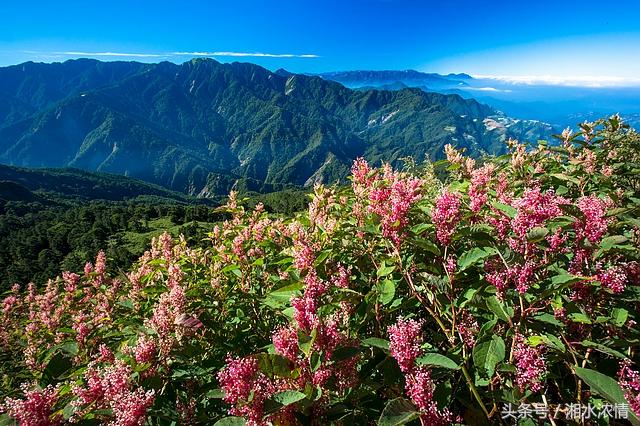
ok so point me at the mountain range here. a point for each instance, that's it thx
(561, 104)
(203, 127)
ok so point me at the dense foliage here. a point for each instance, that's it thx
(403, 298)
(53, 220)
(40, 241)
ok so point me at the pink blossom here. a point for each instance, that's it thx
(70, 281)
(236, 378)
(405, 338)
(341, 279)
(8, 303)
(145, 350)
(557, 239)
(446, 215)
(88, 268)
(615, 279)
(534, 208)
(530, 366)
(36, 408)
(285, 342)
(111, 387)
(420, 388)
(241, 378)
(467, 328)
(360, 171)
(480, 178)
(305, 312)
(630, 383)
(105, 354)
(391, 199)
(595, 222)
(303, 257)
(101, 263)
(175, 275)
(524, 276)
(130, 408)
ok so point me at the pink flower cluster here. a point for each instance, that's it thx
(36, 407)
(480, 178)
(530, 365)
(111, 388)
(629, 381)
(246, 388)
(361, 172)
(446, 215)
(145, 350)
(595, 221)
(242, 378)
(405, 339)
(615, 279)
(501, 277)
(391, 199)
(165, 314)
(534, 208)
(467, 328)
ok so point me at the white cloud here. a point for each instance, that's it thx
(121, 54)
(487, 89)
(245, 54)
(576, 81)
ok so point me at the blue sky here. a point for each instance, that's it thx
(505, 38)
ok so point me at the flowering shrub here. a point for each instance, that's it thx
(403, 298)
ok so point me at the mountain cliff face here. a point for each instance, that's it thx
(202, 126)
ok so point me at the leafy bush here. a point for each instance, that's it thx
(399, 299)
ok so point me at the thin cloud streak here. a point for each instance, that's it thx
(246, 54)
(174, 54)
(119, 54)
(575, 81)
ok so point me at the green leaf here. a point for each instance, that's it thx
(505, 208)
(566, 278)
(398, 412)
(344, 352)
(619, 316)
(230, 421)
(305, 342)
(537, 234)
(387, 290)
(580, 318)
(215, 394)
(603, 348)
(58, 366)
(5, 420)
(497, 307)
(548, 319)
(68, 411)
(547, 340)
(437, 360)
(376, 343)
(322, 257)
(288, 397)
(606, 387)
(275, 365)
(487, 354)
(612, 240)
(385, 270)
(472, 256)
(282, 296)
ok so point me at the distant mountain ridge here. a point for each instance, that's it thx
(203, 127)
(80, 185)
(559, 105)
